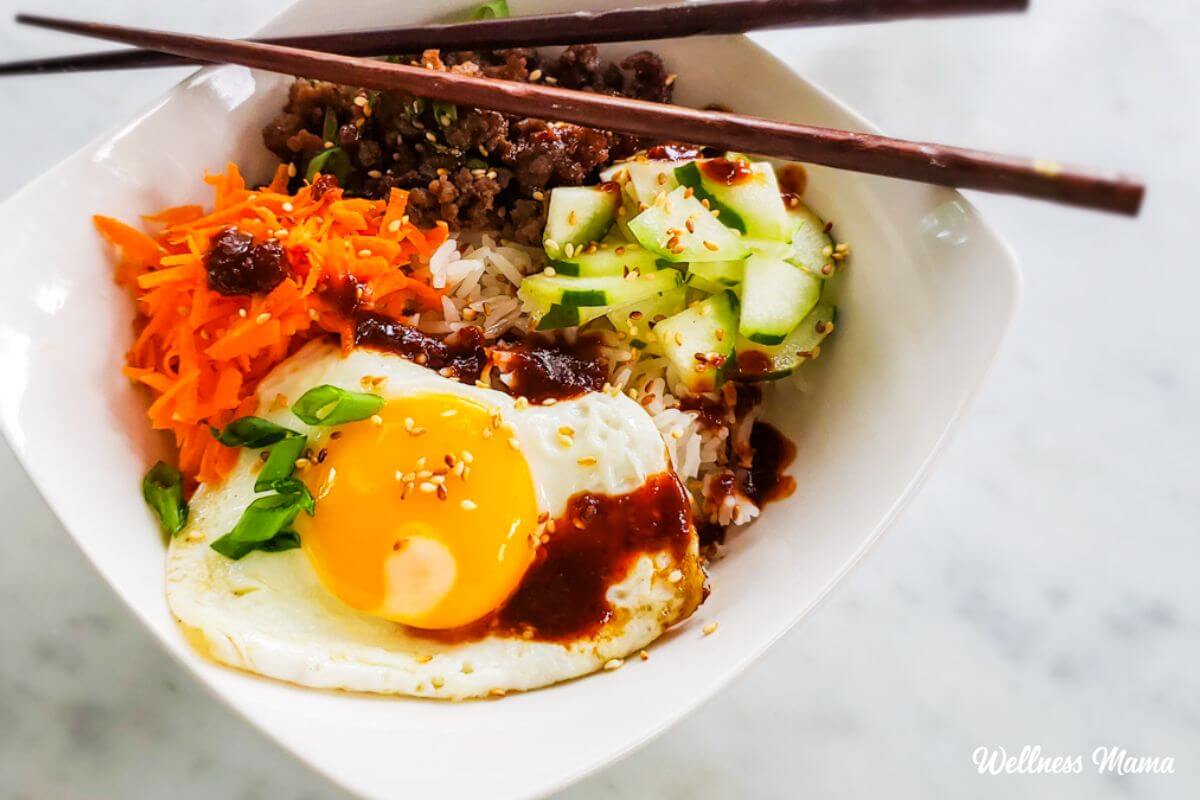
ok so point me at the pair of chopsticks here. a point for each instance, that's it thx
(926, 163)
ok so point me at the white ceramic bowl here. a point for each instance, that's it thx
(924, 305)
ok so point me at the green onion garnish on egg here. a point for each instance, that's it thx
(251, 432)
(329, 405)
(163, 489)
(265, 525)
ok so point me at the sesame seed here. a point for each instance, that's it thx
(587, 461)
(711, 245)
(550, 244)
(449, 412)
(572, 218)
(376, 420)
(536, 75)
(374, 173)
(288, 207)
(549, 401)
(468, 456)
(677, 433)
(328, 145)
(690, 224)
(468, 505)
(263, 317)
(539, 196)
(393, 226)
(550, 272)
(566, 430)
(364, 253)
(427, 488)
(565, 441)
(675, 577)
(514, 443)
(303, 463)
(487, 433)
(360, 101)
(437, 681)
(709, 629)
(429, 135)
(291, 170)
(613, 663)
(643, 655)
(281, 233)
(521, 402)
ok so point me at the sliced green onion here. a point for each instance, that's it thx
(284, 540)
(297, 490)
(163, 489)
(330, 128)
(262, 521)
(493, 9)
(281, 462)
(329, 405)
(334, 161)
(252, 432)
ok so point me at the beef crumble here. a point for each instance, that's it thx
(470, 167)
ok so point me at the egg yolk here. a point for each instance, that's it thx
(425, 515)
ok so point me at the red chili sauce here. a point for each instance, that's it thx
(541, 370)
(722, 170)
(594, 543)
(673, 152)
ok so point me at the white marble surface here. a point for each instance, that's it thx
(1042, 590)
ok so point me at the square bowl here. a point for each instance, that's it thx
(923, 309)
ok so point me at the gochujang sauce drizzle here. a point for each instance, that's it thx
(541, 370)
(595, 542)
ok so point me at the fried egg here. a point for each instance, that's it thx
(432, 519)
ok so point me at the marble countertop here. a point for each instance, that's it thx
(1041, 590)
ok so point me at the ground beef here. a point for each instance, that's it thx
(471, 168)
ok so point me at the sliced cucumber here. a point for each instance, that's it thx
(704, 285)
(613, 291)
(722, 273)
(610, 258)
(776, 295)
(679, 228)
(579, 215)
(699, 341)
(637, 320)
(812, 247)
(560, 316)
(746, 193)
(759, 363)
(646, 179)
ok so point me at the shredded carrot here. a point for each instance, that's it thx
(201, 353)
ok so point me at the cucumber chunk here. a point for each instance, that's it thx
(699, 341)
(610, 258)
(637, 320)
(811, 244)
(746, 193)
(758, 363)
(776, 295)
(543, 291)
(579, 215)
(679, 228)
(560, 316)
(723, 273)
(643, 180)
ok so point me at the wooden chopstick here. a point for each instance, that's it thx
(859, 152)
(580, 27)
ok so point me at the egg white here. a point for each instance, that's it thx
(268, 613)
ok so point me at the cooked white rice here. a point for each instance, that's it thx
(482, 275)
